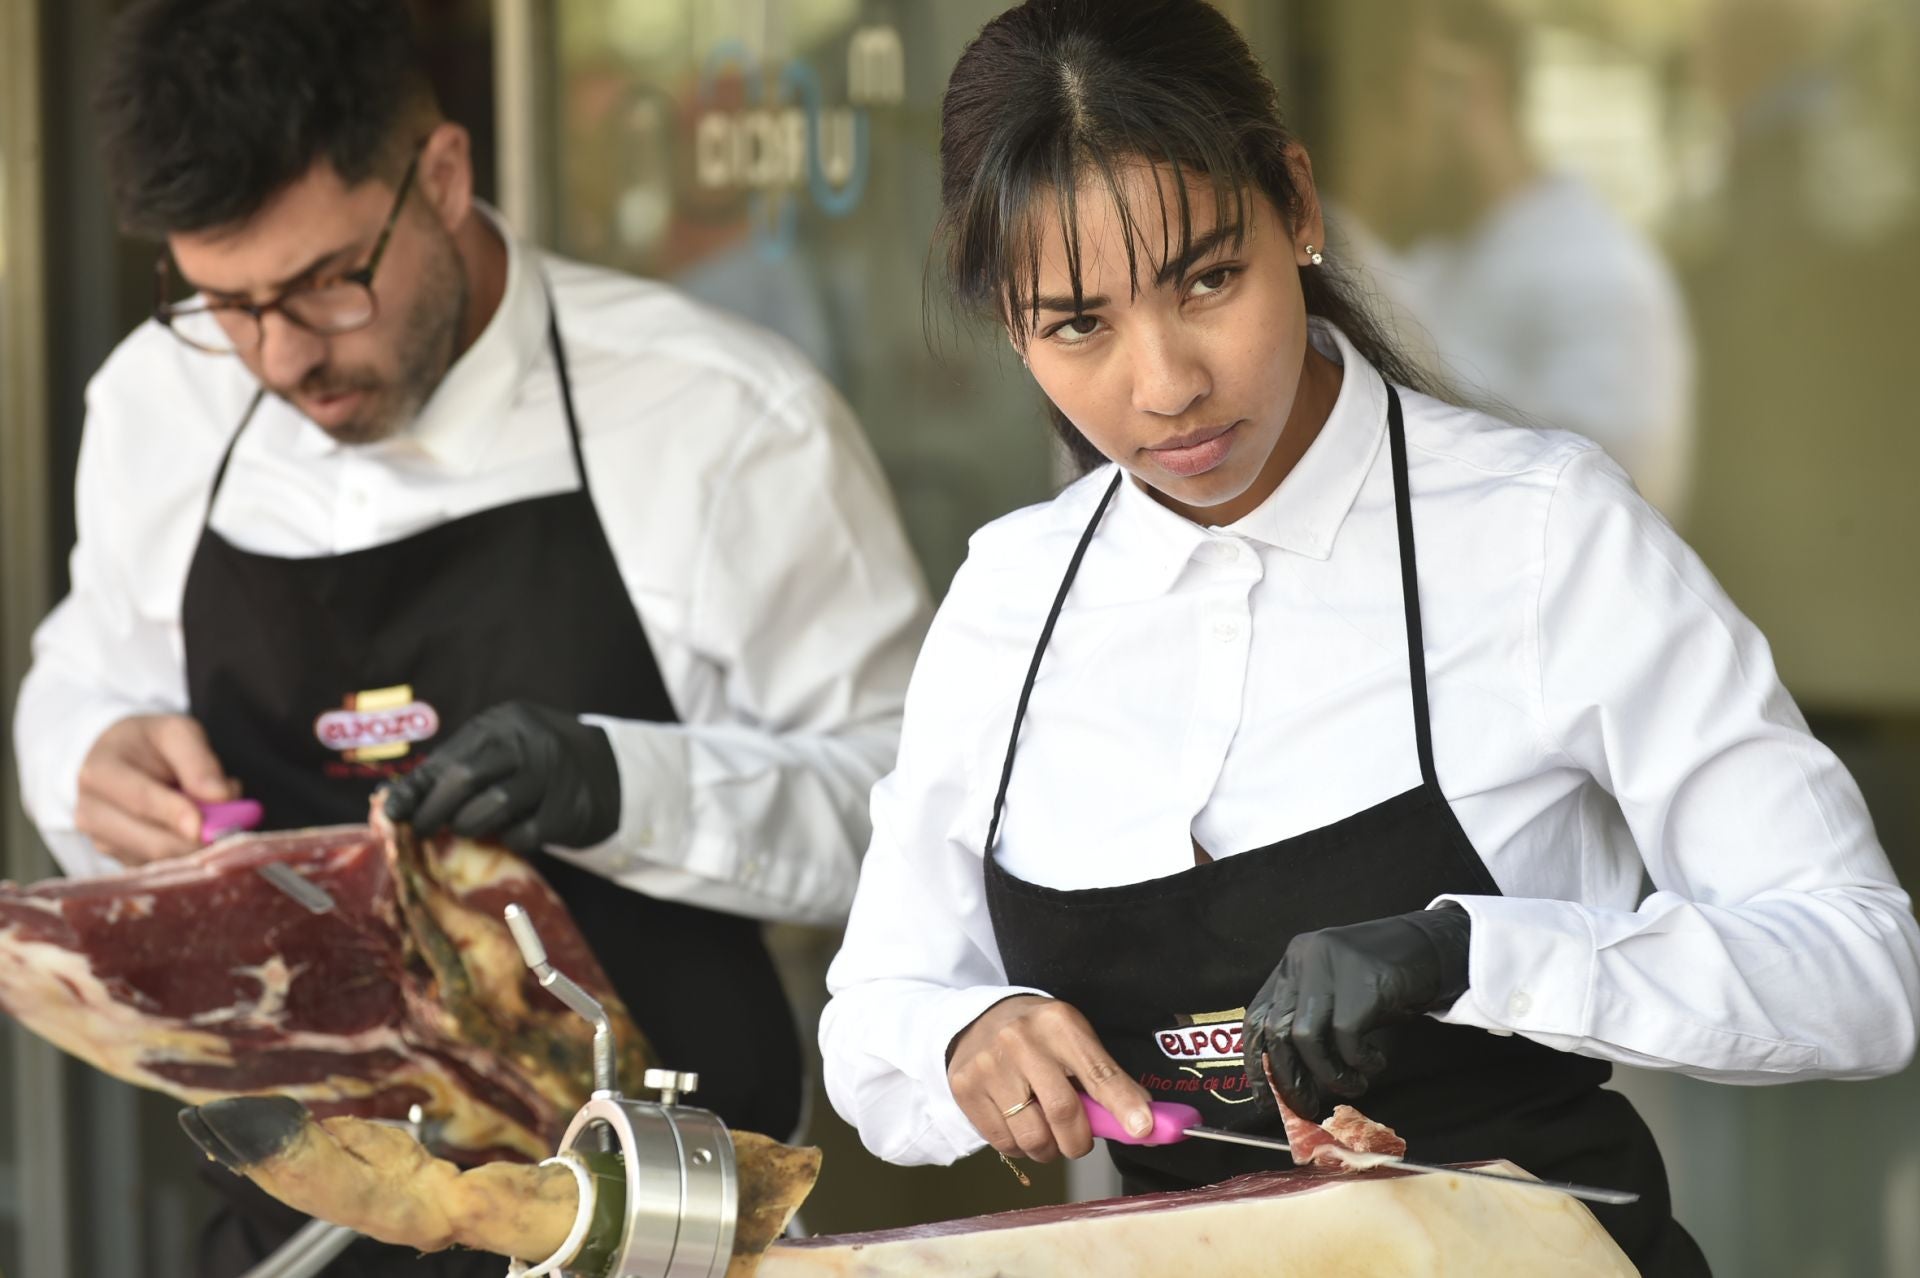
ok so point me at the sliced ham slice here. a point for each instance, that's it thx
(1353, 1130)
(1347, 1132)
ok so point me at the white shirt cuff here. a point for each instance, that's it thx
(939, 1022)
(655, 802)
(1530, 967)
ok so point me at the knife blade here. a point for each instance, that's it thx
(1360, 1162)
(1174, 1122)
(305, 892)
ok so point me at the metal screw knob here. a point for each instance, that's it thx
(671, 1084)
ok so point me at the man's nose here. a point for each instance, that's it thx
(1169, 375)
(287, 352)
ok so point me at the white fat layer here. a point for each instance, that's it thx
(1382, 1227)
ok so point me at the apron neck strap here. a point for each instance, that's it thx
(566, 390)
(1410, 588)
(226, 455)
(1040, 650)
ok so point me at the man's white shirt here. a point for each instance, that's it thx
(749, 520)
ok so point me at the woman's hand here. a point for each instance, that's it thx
(1307, 1031)
(1013, 1073)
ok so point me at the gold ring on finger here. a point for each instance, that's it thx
(1011, 1110)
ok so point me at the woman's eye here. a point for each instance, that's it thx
(1213, 281)
(1076, 330)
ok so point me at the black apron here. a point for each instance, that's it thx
(1164, 969)
(310, 675)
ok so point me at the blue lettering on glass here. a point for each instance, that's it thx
(848, 153)
(771, 148)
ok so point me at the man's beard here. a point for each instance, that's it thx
(425, 345)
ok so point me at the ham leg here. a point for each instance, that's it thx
(198, 978)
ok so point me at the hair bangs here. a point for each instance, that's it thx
(1156, 177)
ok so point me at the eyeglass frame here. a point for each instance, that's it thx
(166, 312)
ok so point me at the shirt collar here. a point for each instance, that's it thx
(1303, 515)
(460, 418)
(1305, 512)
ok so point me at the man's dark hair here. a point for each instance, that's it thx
(208, 107)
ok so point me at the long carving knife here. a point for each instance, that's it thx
(310, 895)
(1174, 1122)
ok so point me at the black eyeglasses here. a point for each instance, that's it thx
(327, 307)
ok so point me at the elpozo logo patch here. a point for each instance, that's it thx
(1206, 1039)
(380, 723)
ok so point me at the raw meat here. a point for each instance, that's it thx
(1347, 1132)
(1336, 1143)
(1307, 1223)
(1355, 1131)
(197, 978)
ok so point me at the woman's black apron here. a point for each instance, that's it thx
(1164, 970)
(522, 601)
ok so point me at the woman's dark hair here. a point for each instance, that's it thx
(208, 107)
(1053, 92)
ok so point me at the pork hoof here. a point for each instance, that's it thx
(242, 1131)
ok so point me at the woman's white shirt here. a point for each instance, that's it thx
(1599, 709)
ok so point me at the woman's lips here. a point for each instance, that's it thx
(1194, 454)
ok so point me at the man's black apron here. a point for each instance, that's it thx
(523, 601)
(1164, 970)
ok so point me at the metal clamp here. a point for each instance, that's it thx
(682, 1187)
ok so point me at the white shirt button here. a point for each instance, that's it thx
(1219, 552)
(1519, 1003)
(1226, 629)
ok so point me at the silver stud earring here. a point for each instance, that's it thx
(1313, 255)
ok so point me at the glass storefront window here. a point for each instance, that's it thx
(780, 161)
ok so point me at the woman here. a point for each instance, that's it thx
(1197, 743)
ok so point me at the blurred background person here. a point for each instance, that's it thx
(1510, 278)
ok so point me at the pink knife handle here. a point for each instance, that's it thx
(217, 819)
(1170, 1122)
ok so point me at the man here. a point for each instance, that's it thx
(380, 481)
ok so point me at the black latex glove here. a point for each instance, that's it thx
(519, 773)
(1312, 1017)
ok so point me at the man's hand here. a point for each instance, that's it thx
(1032, 1049)
(1311, 1019)
(520, 773)
(141, 783)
